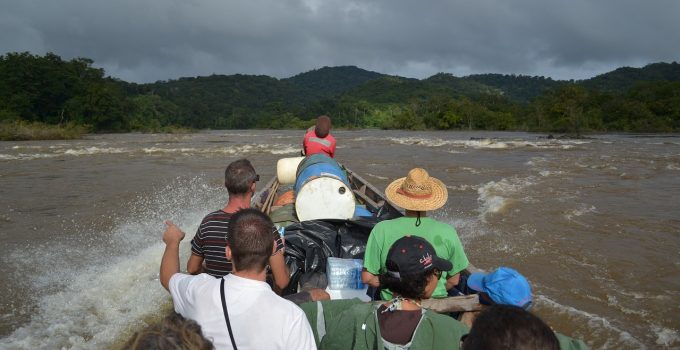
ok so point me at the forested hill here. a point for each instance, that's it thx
(624, 78)
(520, 88)
(51, 90)
(331, 81)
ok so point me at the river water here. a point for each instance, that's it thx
(593, 224)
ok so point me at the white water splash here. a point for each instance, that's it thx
(496, 196)
(156, 150)
(117, 284)
(596, 323)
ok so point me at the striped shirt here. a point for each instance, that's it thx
(210, 243)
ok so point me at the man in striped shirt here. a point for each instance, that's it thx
(209, 244)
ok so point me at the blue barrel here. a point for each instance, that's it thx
(318, 165)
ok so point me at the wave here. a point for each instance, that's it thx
(596, 324)
(117, 289)
(664, 336)
(22, 156)
(94, 150)
(490, 143)
(581, 210)
(497, 196)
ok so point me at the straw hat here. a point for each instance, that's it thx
(417, 191)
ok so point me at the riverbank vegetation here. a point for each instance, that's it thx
(22, 131)
(62, 98)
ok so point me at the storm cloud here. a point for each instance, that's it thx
(152, 40)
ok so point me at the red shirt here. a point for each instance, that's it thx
(313, 144)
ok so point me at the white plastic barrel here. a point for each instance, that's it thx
(324, 197)
(286, 169)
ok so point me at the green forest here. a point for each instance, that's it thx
(42, 92)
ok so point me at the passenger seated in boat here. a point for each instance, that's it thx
(412, 273)
(506, 286)
(207, 246)
(209, 243)
(239, 310)
(417, 193)
(173, 333)
(318, 139)
(509, 327)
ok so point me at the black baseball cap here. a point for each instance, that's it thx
(413, 255)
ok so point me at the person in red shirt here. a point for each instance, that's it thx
(319, 138)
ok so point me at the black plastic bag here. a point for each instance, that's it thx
(310, 243)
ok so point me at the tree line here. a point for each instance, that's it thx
(54, 91)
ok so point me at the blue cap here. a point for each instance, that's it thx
(504, 286)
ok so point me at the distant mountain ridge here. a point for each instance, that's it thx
(331, 82)
(50, 90)
(624, 78)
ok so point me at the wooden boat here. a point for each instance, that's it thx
(375, 201)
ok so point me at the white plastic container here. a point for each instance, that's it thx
(286, 169)
(324, 197)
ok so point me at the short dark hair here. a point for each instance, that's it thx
(174, 332)
(250, 239)
(238, 176)
(410, 286)
(323, 126)
(509, 327)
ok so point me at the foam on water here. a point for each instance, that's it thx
(95, 150)
(490, 143)
(665, 336)
(580, 210)
(98, 303)
(69, 150)
(496, 196)
(596, 323)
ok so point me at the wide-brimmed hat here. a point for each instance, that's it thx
(418, 191)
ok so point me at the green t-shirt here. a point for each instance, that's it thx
(443, 238)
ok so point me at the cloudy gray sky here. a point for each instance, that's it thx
(148, 40)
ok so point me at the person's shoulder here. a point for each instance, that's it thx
(217, 215)
(361, 310)
(569, 343)
(389, 223)
(193, 281)
(440, 225)
(446, 320)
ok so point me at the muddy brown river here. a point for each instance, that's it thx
(594, 224)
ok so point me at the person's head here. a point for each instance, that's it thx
(240, 177)
(413, 268)
(504, 286)
(509, 327)
(418, 191)
(173, 333)
(323, 126)
(249, 241)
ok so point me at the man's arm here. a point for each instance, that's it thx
(279, 270)
(372, 261)
(370, 279)
(170, 262)
(452, 281)
(195, 264)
